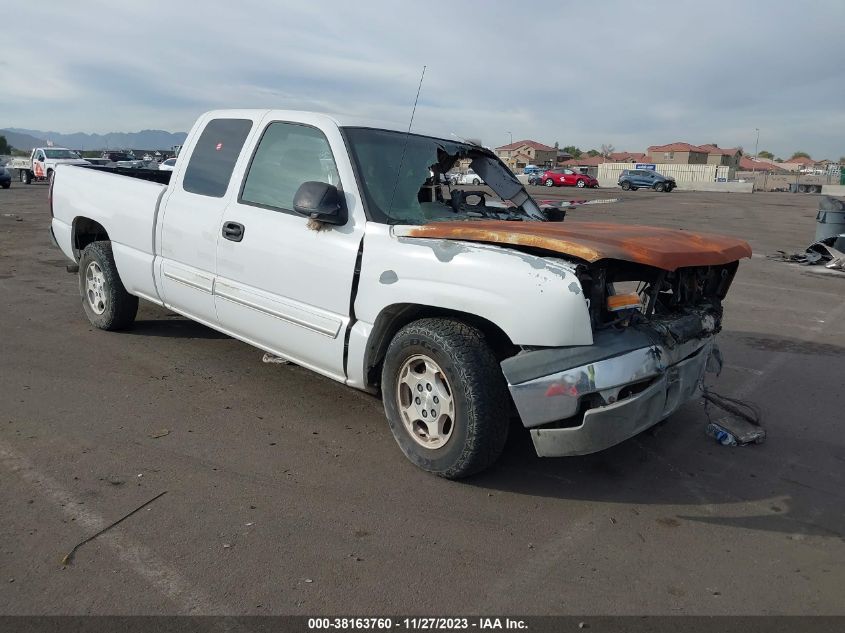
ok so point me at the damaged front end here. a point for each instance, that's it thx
(653, 335)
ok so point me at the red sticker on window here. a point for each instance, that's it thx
(219, 146)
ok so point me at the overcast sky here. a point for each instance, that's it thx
(630, 74)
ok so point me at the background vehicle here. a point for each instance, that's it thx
(392, 288)
(469, 177)
(168, 165)
(100, 162)
(5, 177)
(563, 177)
(646, 178)
(42, 163)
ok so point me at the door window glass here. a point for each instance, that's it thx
(288, 155)
(214, 157)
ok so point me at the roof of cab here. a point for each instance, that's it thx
(341, 120)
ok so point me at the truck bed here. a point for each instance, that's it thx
(153, 175)
(128, 206)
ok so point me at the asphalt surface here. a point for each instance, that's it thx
(287, 494)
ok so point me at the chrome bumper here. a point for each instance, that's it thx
(663, 378)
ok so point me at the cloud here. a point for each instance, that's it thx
(577, 73)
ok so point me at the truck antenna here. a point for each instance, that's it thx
(405, 145)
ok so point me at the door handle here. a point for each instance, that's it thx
(233, 231)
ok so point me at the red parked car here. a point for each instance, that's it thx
(567, 177)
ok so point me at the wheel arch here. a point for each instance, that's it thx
(394, 317)
(84, 231)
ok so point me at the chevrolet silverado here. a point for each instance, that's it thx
(336, 245)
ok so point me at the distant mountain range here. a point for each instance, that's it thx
(145, 139)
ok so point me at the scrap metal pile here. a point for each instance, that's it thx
(829, 248)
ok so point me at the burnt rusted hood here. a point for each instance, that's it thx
(668, 249)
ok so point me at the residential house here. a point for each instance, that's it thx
(759, 165)
(716, 155)
(678, 154)
(521, 153)
(797, 164)
(627, 157)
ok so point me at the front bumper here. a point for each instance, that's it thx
(600, 395)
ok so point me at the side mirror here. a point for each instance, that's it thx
(320, 201)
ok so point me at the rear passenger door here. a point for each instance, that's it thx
(282, 285)
(190, 219)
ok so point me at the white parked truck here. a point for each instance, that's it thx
(329, 243)
(42, 163)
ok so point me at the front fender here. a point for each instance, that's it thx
(535, 301)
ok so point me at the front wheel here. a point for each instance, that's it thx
(581, 184)
(476, 181)
(6, 185)
(104, 298)
(445, 397)
(626, 186)
(659, 187)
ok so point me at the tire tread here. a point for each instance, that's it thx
(483, 384)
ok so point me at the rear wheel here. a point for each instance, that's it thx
(445, 397)
(26, 177)
(476, 181)
(104, 298)
(626, 185)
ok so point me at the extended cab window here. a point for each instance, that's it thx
(288, 155)
(214, 157)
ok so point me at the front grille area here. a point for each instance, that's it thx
(670, 300)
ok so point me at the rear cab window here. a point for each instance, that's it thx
(214, 156)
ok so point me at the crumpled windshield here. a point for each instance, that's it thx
(413, 194)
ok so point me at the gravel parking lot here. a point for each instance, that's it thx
(287, 494)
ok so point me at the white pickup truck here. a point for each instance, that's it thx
(42, 163)
(328, 243)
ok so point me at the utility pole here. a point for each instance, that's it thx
(756, 143)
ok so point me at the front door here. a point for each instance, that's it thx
(190, 219)
(283, 285)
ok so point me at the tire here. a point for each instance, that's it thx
(50, 173)
(669, 188)
(104, 298)
(476, 181)
(581, 184)
(634, 188)
(472, 411)
(549, 182)
(26, 177)
(626, 186)
(6, 185)
(659, 187)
